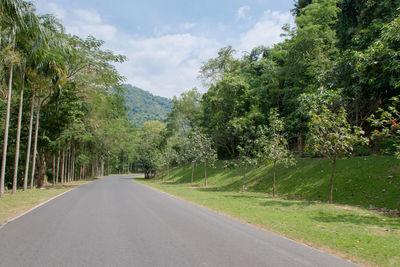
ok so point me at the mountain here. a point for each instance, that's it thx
(144, 106)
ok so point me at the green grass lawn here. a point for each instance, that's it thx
(363, 181)
(14, 205)
(301, 212)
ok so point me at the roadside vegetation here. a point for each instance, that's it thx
(62, 113)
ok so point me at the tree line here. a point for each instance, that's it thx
(61, 103)
(329, 89)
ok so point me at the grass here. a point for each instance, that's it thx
(363, 181)
(349, 229)
(14, 205)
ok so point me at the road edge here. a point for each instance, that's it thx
(39, 205)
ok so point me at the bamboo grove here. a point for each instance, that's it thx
(61, 104)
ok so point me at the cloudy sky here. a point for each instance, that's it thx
(166, 42)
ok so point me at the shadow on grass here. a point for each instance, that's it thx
(389, 221)
(285, 204)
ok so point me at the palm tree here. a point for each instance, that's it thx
(12, 18)
(32, 42)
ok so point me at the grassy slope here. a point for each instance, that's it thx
(13, 205)
(355, 233)
(364, 181)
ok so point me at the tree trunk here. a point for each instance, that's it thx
(102, 167)
(35, 142)
(67, 165)
(16, 162)
(28, 150)
(42, 179)
(3, 163)
(205, 173)
(72, 166)
(192, 171)
(54, 169)
(244, 177)
(58, 167)
(357, 108)
(331, 184)
(274, 187)
(300, 144)
(63, 167)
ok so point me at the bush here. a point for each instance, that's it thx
(386, 145)
(362, 151)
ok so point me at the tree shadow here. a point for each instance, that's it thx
(285, 204)
(389, 221)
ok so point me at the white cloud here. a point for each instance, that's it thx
(84, 22)
(187, 26)
(266, 31)
(167, 65)
(242, 12)
(88, 15)
(57, 10)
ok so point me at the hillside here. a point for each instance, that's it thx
(144, 106)
(364, 181)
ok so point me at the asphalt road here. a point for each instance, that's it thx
(116, 222)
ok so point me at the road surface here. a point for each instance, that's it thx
(117, 222)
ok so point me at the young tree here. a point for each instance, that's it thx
(247, 148)
(330, 133)
(273, 144)
(169, 157)
(189, 153)
(205, 151)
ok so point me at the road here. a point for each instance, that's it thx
(117, 222)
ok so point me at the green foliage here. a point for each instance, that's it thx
(185, 113)
(387, 123)
(330, 132)
(149, 148)
(142, 106)
(273, 144)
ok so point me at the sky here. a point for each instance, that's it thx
(167, 42)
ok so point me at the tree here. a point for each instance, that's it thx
(330, 133)
(169, 157)
(189, 153)
(273, 144)
(247, 147)
(150, 144)
(185, 113)
(13, 17)
(205, 151)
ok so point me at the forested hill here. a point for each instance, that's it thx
(144, 106)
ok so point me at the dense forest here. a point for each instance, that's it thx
(328, 90)
(61, 102)
(143, 106)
